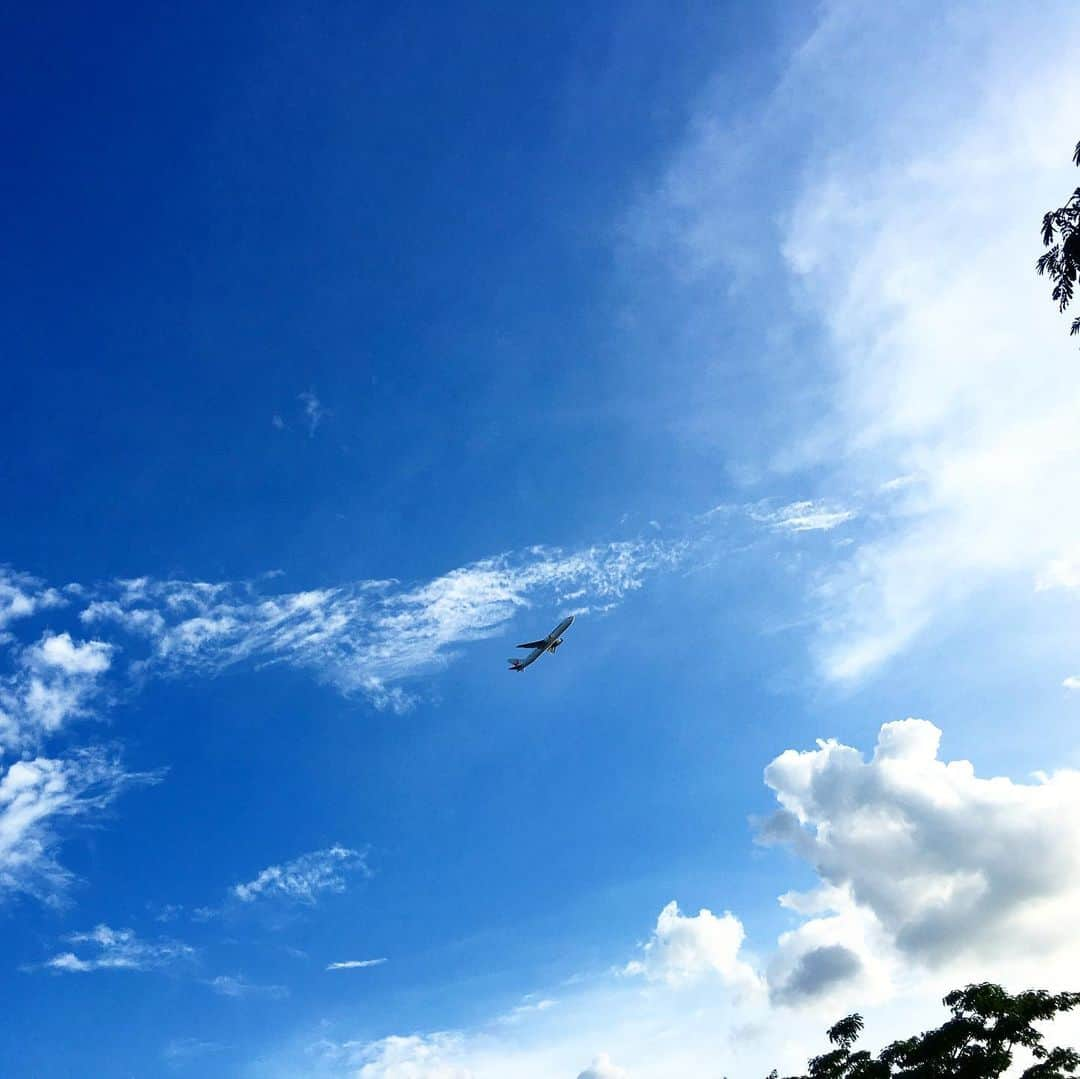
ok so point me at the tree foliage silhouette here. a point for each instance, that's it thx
(977, 1042)
(1061, 263)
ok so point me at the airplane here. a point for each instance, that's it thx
(546, 644)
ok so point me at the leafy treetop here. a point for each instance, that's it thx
(976, 1042)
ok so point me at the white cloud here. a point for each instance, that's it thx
(1072, 682)
(314, 413)
(914, 240)
(182, 1050)
(304, 878)
(370, 636)
(923, 859)
(928, 877)
(602, 1068)
(431, 1056)
(355, 964)
(21, 595)
(903, 175)
(530, 1005)
(804, 516)
(54, 681)
(119, 949)
(228, 985)
(60, 651)
(683, 949)
(36, 797)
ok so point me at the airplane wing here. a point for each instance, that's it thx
(534, 644)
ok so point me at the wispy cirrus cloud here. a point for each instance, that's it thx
(118, 949)
(314, 411)
(803, 516)
(305, 878)
(230, 985)
(38, 797)
(355, 964)
(369, 636)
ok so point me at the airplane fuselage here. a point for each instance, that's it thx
(547, 644)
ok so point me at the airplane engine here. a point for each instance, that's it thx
(554, 645)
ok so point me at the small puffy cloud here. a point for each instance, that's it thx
(684, 949)
(118, 949)
(602, 1068)
(355, 964)
(1072, 682)
(54, 680)
(21, 595)
(37, 797)
(61, 652)
(304, 878)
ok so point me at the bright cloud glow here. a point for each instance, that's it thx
(915, 242)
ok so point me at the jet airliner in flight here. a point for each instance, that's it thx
(545, 644)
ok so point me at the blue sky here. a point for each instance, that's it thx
(345, 348)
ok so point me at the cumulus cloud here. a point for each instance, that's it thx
(922, 858)
(303, 879)
(684, 949)
(37, 797)
(118, 949)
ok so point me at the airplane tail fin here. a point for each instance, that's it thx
(515, 665)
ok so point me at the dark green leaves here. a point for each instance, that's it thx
(1061, 263)
(976, 1042)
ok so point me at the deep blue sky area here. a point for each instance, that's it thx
(343, 347)
(409, 213)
